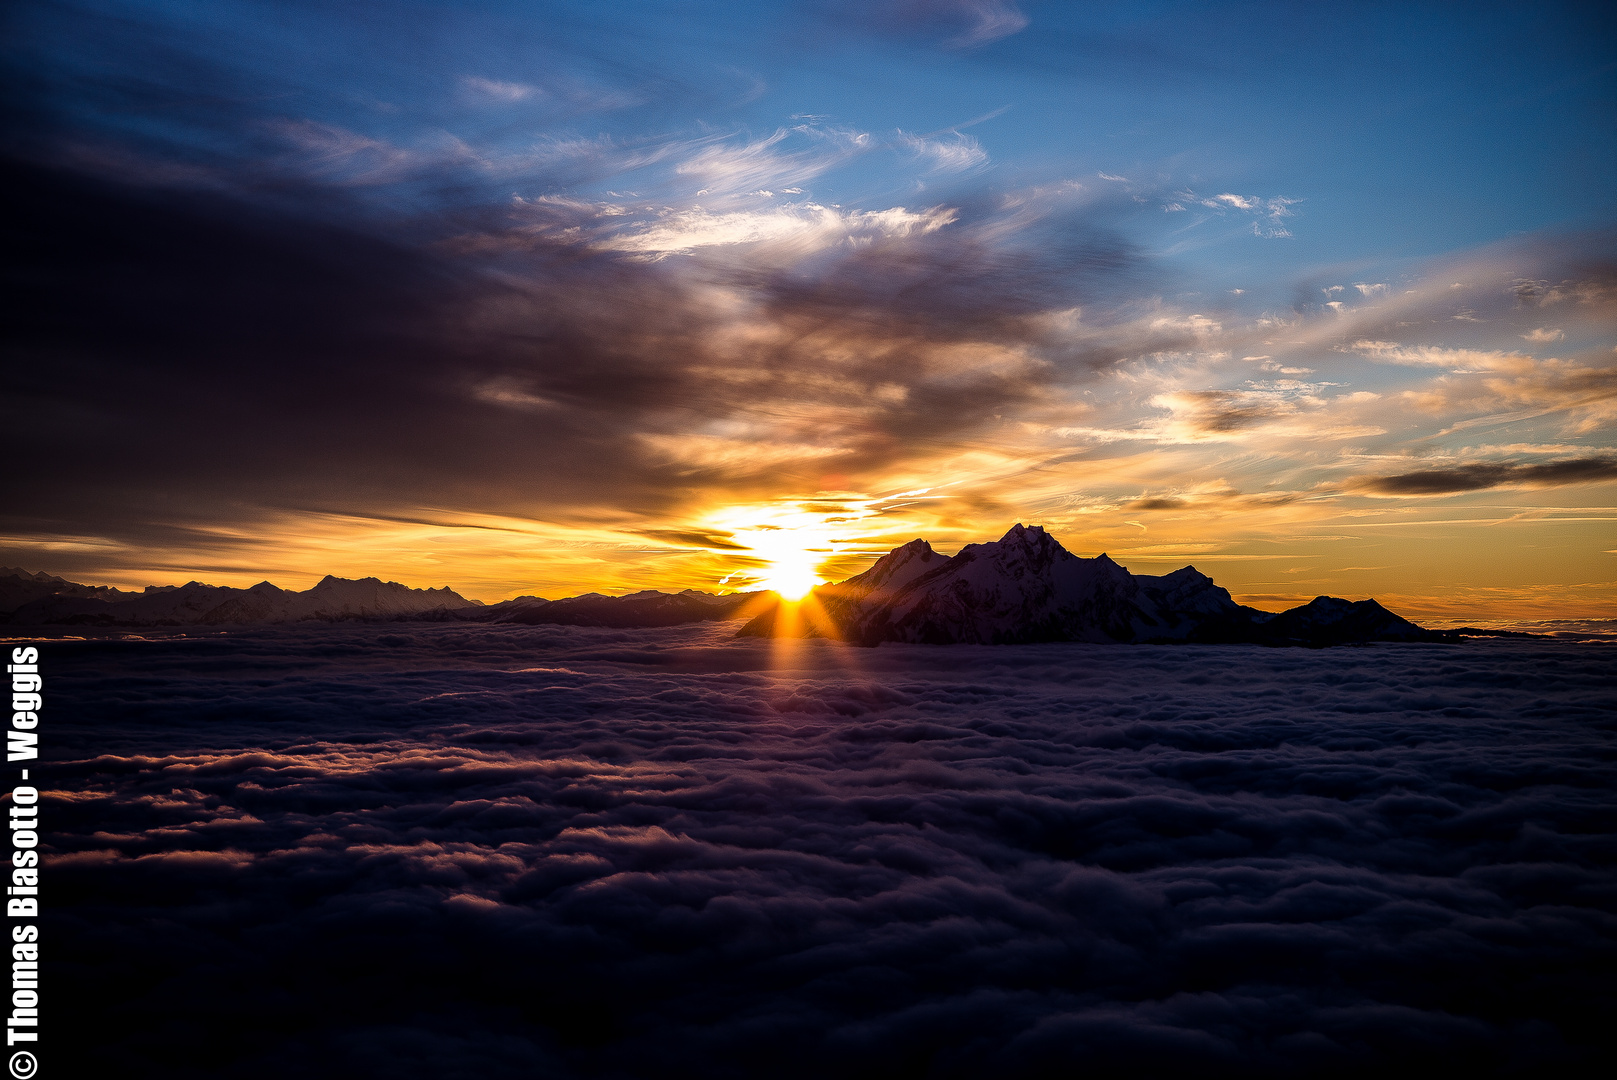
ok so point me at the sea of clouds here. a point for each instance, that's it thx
(453, 851)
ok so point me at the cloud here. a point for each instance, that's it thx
(726, 167)
(1461, 360)
(955, 24)
(1268, 212)
(574, 852)
(1217, 412)
(801, 229)
(991, 20)
(1492, 386)
(498, 90)
(1283, 408)
(1482, 475)
(1543, 335)
(1595, 289)
(956, 154)
(347, 157)
(373, 377)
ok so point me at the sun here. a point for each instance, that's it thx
(785, 551)
(792, 578)
(790, 563)
(781, 546)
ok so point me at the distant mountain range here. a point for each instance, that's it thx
(1022, 588)
(43, 600)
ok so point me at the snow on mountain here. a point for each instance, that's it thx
(19, 587)
(1187, 591)
(890, 573)
(338, 598)
(1025, 587)
(212, 605)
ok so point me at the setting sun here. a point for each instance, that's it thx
(784, 545)
(790, 561)
(793, 580)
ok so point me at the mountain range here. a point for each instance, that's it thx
(1026, 588)
(1023, 588)
(45, 600)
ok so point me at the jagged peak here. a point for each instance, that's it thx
(1021, 542)
(896, 568)
(332, 581)
(1023, 533)
(17, 571)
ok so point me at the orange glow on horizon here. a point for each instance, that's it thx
(1528, 555)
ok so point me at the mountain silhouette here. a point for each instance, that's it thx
(1025, 587)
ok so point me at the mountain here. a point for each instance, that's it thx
(646, 608)
(843, 602)
(1026, 587)
(1325, 620)
(43, 600)
(195, 604)
(18, 587)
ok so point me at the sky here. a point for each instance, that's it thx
(546, 298)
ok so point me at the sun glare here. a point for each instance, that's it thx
(791, 581)
(785, 545)
(789, 562)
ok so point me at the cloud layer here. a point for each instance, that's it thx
(504, 851)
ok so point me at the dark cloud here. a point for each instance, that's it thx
(1220, 411)
(1490, 475)
(1595, 284)
(214, 352)
(560, 851)
(694, 539)
(228, 307)
(182, 351)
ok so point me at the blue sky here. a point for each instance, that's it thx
(1216, 275)
(1401, 130)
